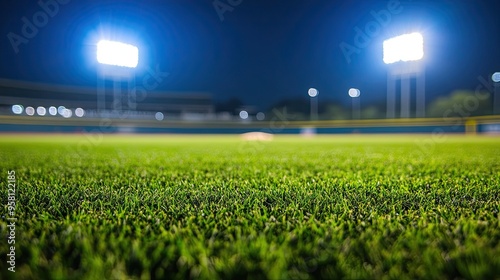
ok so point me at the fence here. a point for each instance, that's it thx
(470, 125)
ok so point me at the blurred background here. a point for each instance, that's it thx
(218, 66)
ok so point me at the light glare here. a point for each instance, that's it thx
(354, 92)
(117, 54)
(244, 115)
(79, 112)
(41, 111)
(260, 116)
(159, 116)
(67, 113)
(17, 109)
(60, 110)
(407, 47)
(496, 77)
(30, 111)
(52, 110)
(313, 92)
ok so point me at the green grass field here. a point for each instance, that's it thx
(177, 207)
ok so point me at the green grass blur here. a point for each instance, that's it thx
(177, 207)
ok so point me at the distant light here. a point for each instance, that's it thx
(17, 109)
(313, 92)
(159, 116)
(407, 47)
(79, 112)
(30, 111)
(244, 115)
(52, 110)
(354, 92)
(260, 116)
(60, 110)
(67, 113)
(117, 54)
(41, 111)
(496, 77)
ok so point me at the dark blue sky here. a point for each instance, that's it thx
(262, 50)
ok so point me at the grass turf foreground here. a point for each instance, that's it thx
(357, 207)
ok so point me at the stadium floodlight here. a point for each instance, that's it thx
(496, 77)
(117, 54)
(30, 111)
(52, 110)
(159, 116)
(244, 115)
(60, 110)
(403, 52)
(79, 112)
(354, 92)
(17, 109)
(407, 47)
(67, 113)
(41, 111)
(260, 116)
(313, 92)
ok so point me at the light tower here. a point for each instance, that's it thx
(496, 99)
(354, 93)
(117, 61)
(404, 54)
(313, 93)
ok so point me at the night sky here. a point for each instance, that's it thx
(260, 51)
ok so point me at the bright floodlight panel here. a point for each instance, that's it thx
(407, 47)
(117, 54)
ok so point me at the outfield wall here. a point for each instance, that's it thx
(473, 125)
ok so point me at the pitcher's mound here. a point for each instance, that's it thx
(257, 136)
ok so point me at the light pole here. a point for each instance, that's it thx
(496, 99)
(354, 93)
(313, 93)
(117, 61)
(404, 54)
